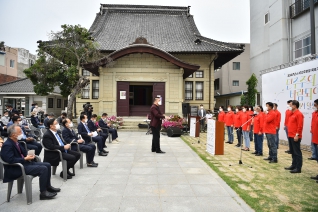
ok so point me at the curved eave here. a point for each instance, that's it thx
(143, 48)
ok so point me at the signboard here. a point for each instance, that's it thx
(299, 83)
(192, 127)
(210, 143)
(122, 94)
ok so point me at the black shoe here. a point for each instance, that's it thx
(258, 154)
(92, 165)
(238, 146)
(311, 158)
(52, 189)
(68, 176)
(162, 152)
(102, 154)
(314, 178)
(230, 142)
(268, 158)
(287, 151)
(254, 153)
(105, 151)
(70, 173)
(289, 168)
(227, 142)
(47, 195)
(153, 150)
(273, 161)
(295, 171)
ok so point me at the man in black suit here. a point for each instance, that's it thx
(86, 134)
(52, 140)
(70, 136)
(13, 152)
(49, 116)
(92, 127)
(11, 110)
(3, 130)
(103, 124)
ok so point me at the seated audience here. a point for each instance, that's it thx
(13, 152)
(92, 127)
(70, 136)
(5, 118)
(104, 124)
(3, 130)
(53, 141)
(48, 117)
(86, 134)
(60, 118)
(35, 121)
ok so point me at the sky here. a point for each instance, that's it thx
(24, 22)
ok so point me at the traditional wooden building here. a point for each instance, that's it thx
(158, 51)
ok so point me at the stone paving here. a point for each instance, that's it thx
(132, 178)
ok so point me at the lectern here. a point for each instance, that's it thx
(195, 126)
(219, 138)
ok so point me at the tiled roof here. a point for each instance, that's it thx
(21, 86)
(171, 29)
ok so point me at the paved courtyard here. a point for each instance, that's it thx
(131, 178)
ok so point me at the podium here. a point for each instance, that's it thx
(215, 137)
(194, 126)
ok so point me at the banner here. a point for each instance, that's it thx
(210, 143)
(192, 126)
(299, 83)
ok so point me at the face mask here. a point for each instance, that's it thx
(20, 137)
(201, 107)
(315, 109)
(229, 109)
(221, 109)
(20, 122)
(290, 108)
(21, 117)
(249, 109)
(36, 106)
(85, 120)
(236, 110)
(71, 125)
(244, 110)
(255, 112)
(57, 127)
(6, 115)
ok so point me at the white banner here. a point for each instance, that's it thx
(192, 126)
(210, 144)
(294, 83)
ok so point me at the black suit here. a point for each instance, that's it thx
(50, 142)
(114, 133)
(11, 154)
(92, 127)
(69, 135)
(3, 131)
(97, 139)
(45, 122)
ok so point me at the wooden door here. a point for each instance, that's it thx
(159, 89)
(122, 99)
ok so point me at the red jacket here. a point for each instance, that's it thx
(228, 119)
(259, 123)
(237, 119)
(270, 122)
(287, 115)
(156, 116)
(244, 118)
(314, 127)
(221, 116)
(278, 118)
(295, 124)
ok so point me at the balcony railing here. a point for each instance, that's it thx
(299, 7)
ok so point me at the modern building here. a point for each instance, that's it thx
(25, 61)
(20, 95)
(282, 31)
(8, 64)
(230, 80)
(158, 52)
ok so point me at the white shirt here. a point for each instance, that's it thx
(54, 133)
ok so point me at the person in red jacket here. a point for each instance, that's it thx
(258, 131)
(221, 115)
(287, 115)
(270, 132)
(278, 119)
(246, 122)
(228, 122)
(237, 125)
(295, 131)
(251, 112)
(314, 132)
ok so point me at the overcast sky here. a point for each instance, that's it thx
(23, 22)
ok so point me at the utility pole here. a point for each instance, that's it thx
(312, 27)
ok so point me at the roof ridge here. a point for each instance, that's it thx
(143, 6)
(18, 80)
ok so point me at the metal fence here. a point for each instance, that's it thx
(299, 7)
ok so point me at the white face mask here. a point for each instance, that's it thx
(221, 109)
(36, 106)
(244, 110)
(249, 109)
(20, 122)
(22, 117)
(85, 120)
(255, 112)
(6, 115)
(236, 110)
(229, 109)
(71, 125)
(290, 108)
(20, 137)
(201, 107)
(57, 127)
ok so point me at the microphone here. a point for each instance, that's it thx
(254, 115)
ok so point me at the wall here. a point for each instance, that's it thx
(24, 57)
(11, 54)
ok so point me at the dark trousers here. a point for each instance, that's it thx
(89, 150)
(34, 145)
(286, 130)
(297, 156)
(239, 135)
(251, 133)
(202, 124)
(71, 157)
(155, 138)
(43, 170)
(100, 142)
(114, 133)
(258, 139)
(104, 135)
(271, 143)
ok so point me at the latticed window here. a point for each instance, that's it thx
(95, 89)
(199, 90)
(188, 90)
(85, 92)
(85, 72)
(199, 74)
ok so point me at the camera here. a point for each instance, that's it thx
(88, 107)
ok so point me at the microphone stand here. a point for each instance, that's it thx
(197, 122)
(240, 160)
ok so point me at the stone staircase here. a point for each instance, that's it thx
(131, 123)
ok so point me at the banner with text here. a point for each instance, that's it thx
(299, 83)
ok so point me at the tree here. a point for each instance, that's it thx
(251, 90)
(243, 100)
(59, 63)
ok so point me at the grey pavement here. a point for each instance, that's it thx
(132, 178)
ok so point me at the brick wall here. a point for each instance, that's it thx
(7, 78)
